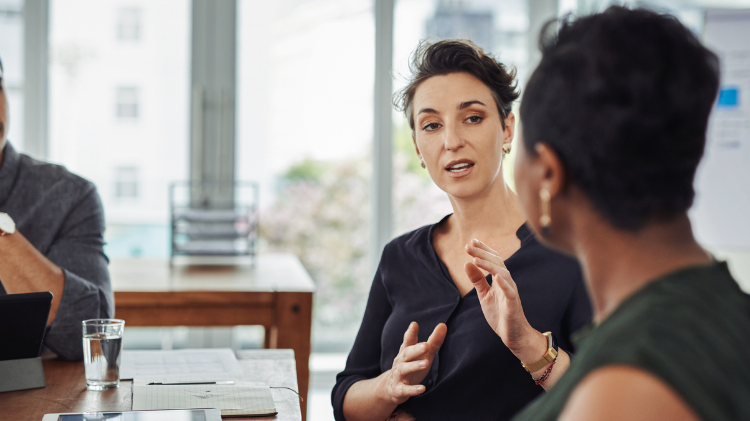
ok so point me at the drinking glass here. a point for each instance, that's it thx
(102, 346)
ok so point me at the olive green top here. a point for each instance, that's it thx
(690, 328)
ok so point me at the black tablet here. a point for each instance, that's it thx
(23, 321)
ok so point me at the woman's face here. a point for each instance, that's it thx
(459, 134)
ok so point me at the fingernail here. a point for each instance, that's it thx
(421, 388)
(423, 348)
(423, 364)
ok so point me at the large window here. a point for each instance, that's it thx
(119, 110)
(304, 132)
(305, 74)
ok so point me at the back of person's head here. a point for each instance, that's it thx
(623, 97)
(456, 56)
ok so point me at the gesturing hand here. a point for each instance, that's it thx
(412, 364)
(500, 302)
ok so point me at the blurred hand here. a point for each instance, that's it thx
(412, 364)
(501, 304)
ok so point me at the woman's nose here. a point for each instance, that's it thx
(453, 139)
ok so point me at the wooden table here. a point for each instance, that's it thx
(276, 293)
(66, 389)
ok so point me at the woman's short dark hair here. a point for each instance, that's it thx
(456, 56)
(623, 97)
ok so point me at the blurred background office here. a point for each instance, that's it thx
(297, 96)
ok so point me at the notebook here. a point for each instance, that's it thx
(240, 399)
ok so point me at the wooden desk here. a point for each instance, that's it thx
(276, 293)
(66, 389)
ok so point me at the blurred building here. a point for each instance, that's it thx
(453, 19)
(497, 27)
(119, 109)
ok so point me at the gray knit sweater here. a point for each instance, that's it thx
(62, 216)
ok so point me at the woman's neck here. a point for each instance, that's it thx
(491, 215)
(617, 263)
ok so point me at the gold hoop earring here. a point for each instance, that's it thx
(507, 150)
(545, 220)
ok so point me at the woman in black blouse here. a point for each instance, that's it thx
(424, 349)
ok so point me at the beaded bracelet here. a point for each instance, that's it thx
(544, 376)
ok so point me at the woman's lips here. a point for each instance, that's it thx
(460, 168)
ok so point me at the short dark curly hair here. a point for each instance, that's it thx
(456, 56)
(623, 97)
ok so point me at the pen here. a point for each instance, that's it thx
(188, 383)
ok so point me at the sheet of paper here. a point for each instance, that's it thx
(216, 361)
(242, 398)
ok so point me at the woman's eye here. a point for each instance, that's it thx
(474, 119)
(430, 127)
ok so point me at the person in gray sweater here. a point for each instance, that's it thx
(51, 239)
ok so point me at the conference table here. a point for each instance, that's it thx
(276, 292)
(66, 389)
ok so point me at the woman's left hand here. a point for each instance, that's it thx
(501, 304)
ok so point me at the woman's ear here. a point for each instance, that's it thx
(553, 176)
(510, 129)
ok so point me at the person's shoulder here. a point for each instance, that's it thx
(411, 240)
(705, 294)
(410, 250)
(697, 310)
(620, 392)
(45, 177)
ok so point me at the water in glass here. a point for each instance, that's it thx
(102, 360)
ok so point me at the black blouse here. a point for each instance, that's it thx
(474, 375)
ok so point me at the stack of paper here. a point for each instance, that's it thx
(241, 398)
(194, 366)
(217, 361)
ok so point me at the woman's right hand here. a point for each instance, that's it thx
(501, 303)
(411, 365)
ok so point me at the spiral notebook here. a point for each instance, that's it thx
(240, 399)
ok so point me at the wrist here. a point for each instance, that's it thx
(531, 348)
(382, 392)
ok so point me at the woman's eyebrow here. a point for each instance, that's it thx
(427, 110)
(467, 104)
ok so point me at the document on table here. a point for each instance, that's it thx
(216, 361)
(242, 398)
